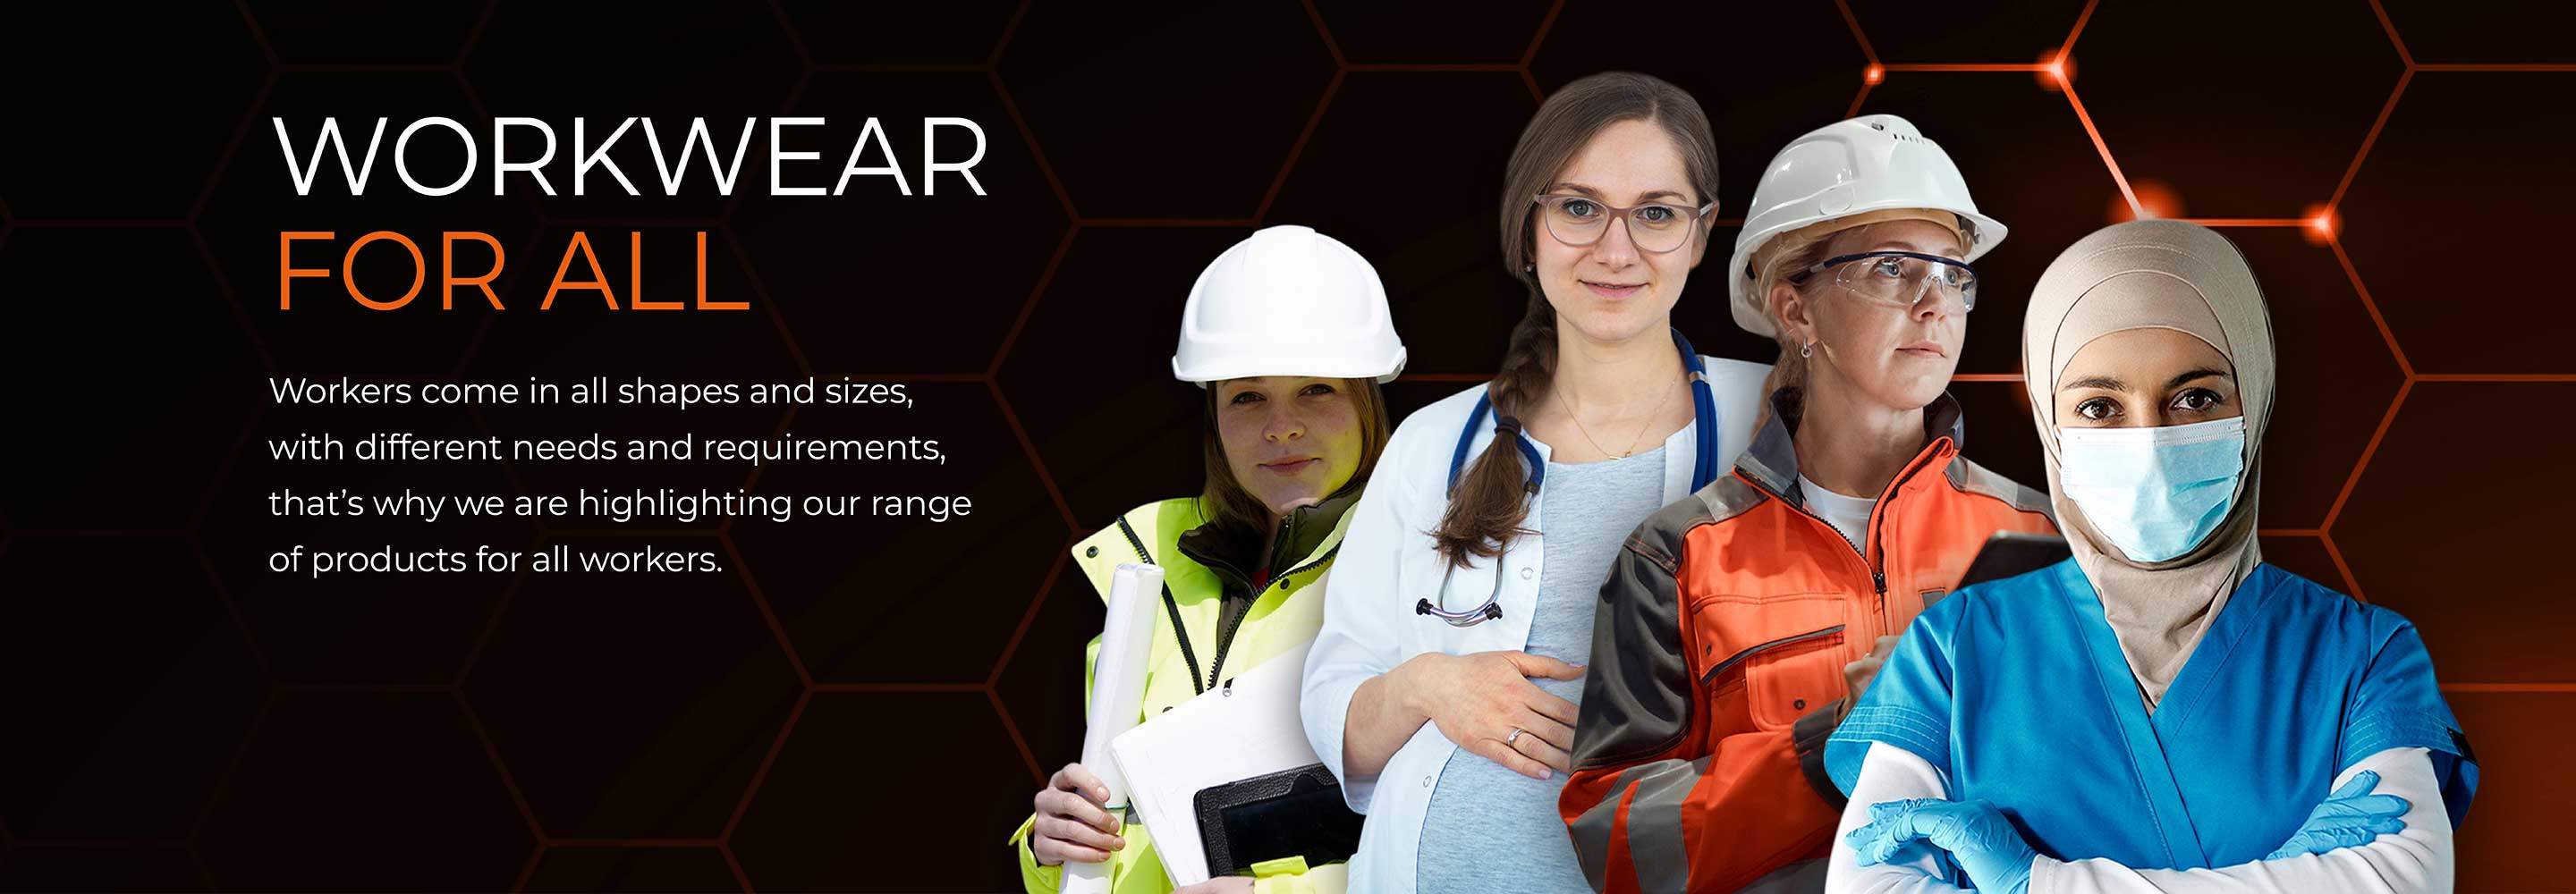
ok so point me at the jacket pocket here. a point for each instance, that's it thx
(1773, 661)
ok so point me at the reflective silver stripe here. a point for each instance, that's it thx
(1591, 831)
(1655, 840)
(1802, 877)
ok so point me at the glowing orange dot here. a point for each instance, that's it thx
(2055, 70)
(1873, 75)
(2321, 224)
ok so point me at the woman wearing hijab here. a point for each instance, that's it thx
(2163, 711)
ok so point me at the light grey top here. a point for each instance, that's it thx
(1486, 827)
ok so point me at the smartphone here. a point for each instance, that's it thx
(2013, 553)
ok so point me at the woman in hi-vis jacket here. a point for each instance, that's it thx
(1738, 624)
(1288, 333)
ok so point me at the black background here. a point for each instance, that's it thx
(868, 704)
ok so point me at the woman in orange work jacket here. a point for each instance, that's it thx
(1739, 621)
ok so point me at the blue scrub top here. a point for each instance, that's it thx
(2016, 691)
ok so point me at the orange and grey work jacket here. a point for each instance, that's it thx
(1717, 660)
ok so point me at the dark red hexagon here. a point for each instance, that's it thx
(322, 330)
(880, 281)
(1444, 33)
(647, 359)
(604, 62)
(1433, 144)
(320, 32)
(358, 791)
(2492, 33)
(2255, 119)
(1759, 92)
(2013, 31)
(134, 688)
(2519, 736)
(835, 33)
(821, 817)
(134, 868)
(677, 870)
(146, 151)
(1096, 393)
(1247, 77)
(2028, 164)
(632, 705)
(1045, 686)
(905, 598)
(362, 627)
(2466, 155)
(2303, 556)
(133, 435)
(2336, 375)
(2448, 527)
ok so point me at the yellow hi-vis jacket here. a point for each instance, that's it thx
(1200, 566)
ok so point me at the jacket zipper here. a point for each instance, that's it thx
(1225, 638)
(1741, 657)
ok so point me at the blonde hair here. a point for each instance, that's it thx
(1784, 255)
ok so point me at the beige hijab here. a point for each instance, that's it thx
(2171, 275)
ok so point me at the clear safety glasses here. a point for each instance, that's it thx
(1579, 221)
(1899, 278)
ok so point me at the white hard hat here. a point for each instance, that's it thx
(1857, 165)
(1288, 301)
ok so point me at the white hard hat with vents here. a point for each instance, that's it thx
(1288, 301)
(1847, 168)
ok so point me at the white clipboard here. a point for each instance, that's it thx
(1248, 726)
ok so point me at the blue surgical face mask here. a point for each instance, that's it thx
(2155, 492)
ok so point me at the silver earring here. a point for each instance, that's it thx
(1532, 268)
(1807, 351)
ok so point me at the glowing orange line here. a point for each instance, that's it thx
(2077, 31)
(1857, 99)
(2372, 305)
(2335, 510)
(1854, 21)
(1965, 66)
(2496, 66)
(2250, 221)
(2369, 139)
(2391, 27)
(2496, 377)
(2099, 146)
(2351, 583)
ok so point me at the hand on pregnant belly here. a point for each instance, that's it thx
(1486, 703)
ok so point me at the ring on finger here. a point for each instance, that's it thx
(1515, 736)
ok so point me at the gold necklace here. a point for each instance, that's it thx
(1641, 430)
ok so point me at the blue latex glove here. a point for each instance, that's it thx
(1977, 835)
(2350, 817)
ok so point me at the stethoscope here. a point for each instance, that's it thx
(1704, 470)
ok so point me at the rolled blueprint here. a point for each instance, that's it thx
(1117, 697)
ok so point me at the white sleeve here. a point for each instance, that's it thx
(2416, 860)
(1358, 637)
(1887, 773)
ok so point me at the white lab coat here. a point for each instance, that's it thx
(1387, 562)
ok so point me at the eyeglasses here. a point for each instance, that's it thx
(1579, 221)
(1899, 278)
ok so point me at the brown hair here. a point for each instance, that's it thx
(1224, 502)
(1486, 508)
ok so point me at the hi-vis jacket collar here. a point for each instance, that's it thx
(1772, 461)
(1234, 552)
